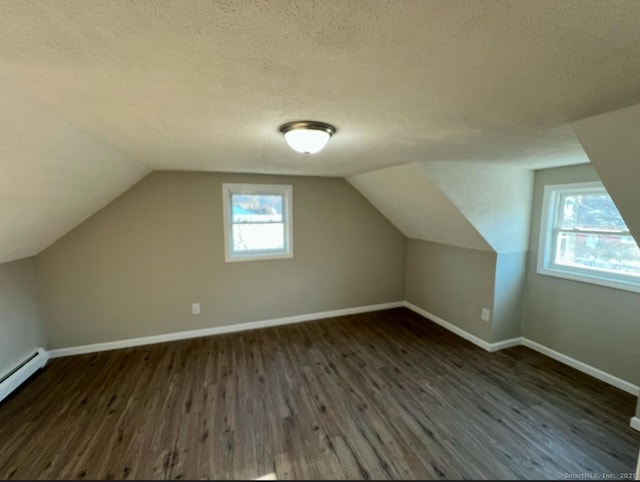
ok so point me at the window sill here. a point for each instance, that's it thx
(258, 257)
(589, 279)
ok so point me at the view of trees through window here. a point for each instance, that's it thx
(591, 234)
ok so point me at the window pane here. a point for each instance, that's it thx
(249, 237)
(590, 211)
(600, 252)
(252, 208)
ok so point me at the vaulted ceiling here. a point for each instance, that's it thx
(98, 93)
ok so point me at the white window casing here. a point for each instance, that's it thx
(258, 221)
(553, 233)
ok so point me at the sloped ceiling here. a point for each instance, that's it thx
(476, 206)
(52, 176)
(408, 197)
(104, 91)
(612, 142)
(494, 199)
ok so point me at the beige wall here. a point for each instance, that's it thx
(134, 268)
(593, 324)
(509, 294)
(452, 283)
(21, 329)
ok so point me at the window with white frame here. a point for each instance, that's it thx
(257, 221)
(584, 238)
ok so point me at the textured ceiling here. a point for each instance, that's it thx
(52, 176)
(205, 84)
(470, 205)
(494, 199)
(414, 203)
(97, 93)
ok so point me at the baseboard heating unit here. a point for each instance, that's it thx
(18, 375)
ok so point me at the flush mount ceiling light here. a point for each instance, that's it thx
(307, 137)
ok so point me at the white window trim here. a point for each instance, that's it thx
(258, 189)
(545, 266)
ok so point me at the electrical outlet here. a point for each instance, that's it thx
(485, 315)
(195, 308)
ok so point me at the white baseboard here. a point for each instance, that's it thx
(635, 423)
(504, 344)
(22, 372)
(216, 330)
(485, 345)
(501, 345)
(583, 367)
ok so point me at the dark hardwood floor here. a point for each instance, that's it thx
(384, 395)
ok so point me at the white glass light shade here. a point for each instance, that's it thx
(307, 137)
(307, 141)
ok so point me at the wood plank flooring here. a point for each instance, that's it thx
(385, 395)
